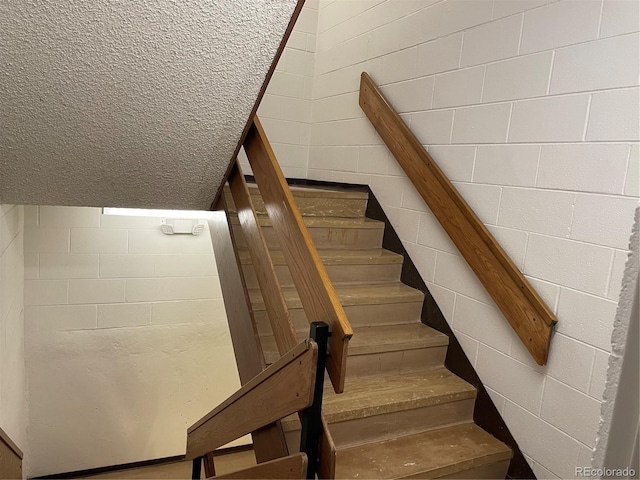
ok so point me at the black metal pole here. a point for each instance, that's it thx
(196, 468)
(312, 416)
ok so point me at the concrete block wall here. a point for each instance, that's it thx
(531, 109)
(13, 402)
(285, 110)
(127, 342)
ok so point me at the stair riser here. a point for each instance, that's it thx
(315, 207)
(492, 470)
(358, 315)
(392, 425)
(325, 237)
(395, 363)
(377, 364)
(339, 274)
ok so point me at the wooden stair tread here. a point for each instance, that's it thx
(369, 396)
(351, 295)
(323, 222)
(431, 454)
(398, 385)
(311, 191)
(374, 256)
(390, 338)
(376, 395)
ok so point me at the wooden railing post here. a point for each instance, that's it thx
(526, 312)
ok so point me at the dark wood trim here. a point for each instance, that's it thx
(145, 463)
(291, 467)
(263, 89)
(112, 468)
(10, 443)
(269, 442)
(485, 413)
(529, 316)
(305, 182)
(10, 458)
(209, 465)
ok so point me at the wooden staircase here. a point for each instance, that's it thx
(402, 413)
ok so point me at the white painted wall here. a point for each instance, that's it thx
(285, 110)
(531, 108)
(618, 438)
(127, 342)
(13, 403)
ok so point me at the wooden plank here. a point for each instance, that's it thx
(318, 297)
(244, 334)
(209, 465)
(298, 351)
(521, 305)
(284, 388)
(327, 464)
(4, 437)
(10, 458)
(268, 442)
(277, 311)
(291, 467)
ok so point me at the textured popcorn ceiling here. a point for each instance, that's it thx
(128, 103)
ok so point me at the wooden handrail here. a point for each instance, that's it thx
(268, 442)
(318, 297)
(284, 388)
(277, 311)
(521, 305)
(291, 467)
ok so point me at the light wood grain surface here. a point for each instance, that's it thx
(521, 305)
(10, 458)
(284, 388)
(291, 467)
(269, 441)
(264, 270)
(317, 294)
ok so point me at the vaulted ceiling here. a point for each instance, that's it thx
(136, 103)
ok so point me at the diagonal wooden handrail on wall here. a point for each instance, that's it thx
(526, 312)
(318, 297)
